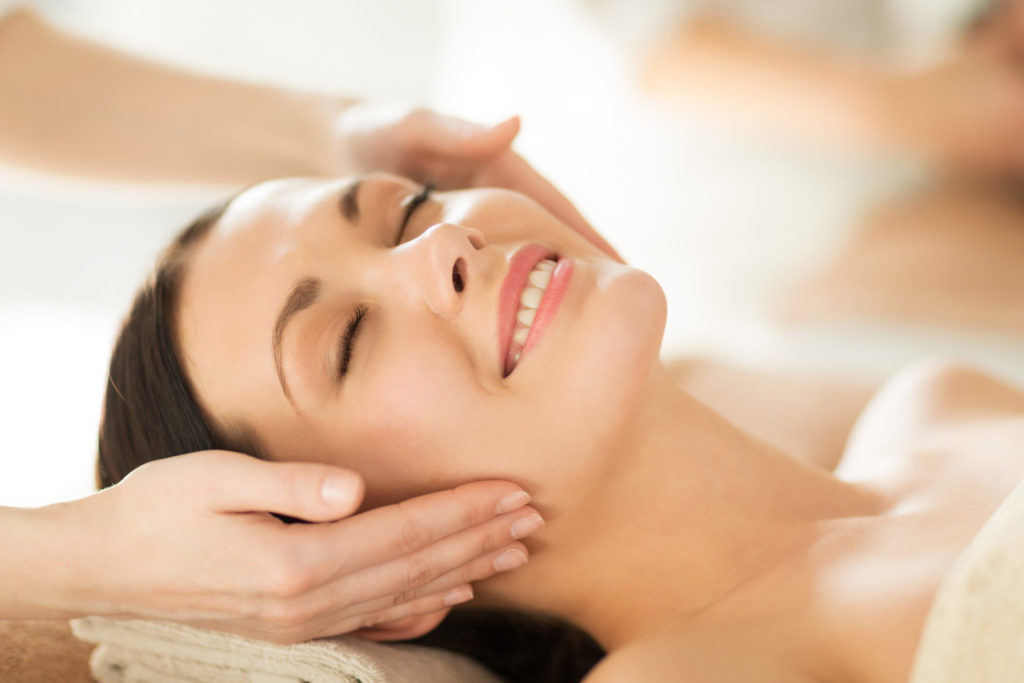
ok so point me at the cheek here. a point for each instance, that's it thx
(410, 420)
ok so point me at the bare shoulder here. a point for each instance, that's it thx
(707, 656)
(941, 386)
(947, 419)
(935, 392)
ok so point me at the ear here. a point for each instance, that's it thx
(404, 629)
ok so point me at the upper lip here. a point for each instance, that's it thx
(522, 262)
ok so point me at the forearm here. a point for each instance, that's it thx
(69, 106)
(39, 563)
(794, 90)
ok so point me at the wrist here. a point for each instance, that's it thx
(350, 127)
(39, 569)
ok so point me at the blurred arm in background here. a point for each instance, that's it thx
(70, 106)
(73, 107)
(967, 110)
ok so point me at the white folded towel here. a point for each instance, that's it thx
(975, 629)
(133, 651)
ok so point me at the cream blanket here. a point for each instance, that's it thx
(975, 629)
(159, 652)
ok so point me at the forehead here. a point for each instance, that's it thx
(265, 232)
(272, 209)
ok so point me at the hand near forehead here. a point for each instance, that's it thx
(192, 539)
(427, 146)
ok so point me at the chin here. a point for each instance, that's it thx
(634, 328)
(615, 347)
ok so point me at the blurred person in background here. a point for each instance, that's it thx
(938, 82)
(881, 75)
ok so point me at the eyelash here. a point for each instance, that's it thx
(352, 326)
(351, 332)
(412, 204)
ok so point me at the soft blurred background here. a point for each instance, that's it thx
(727, 221)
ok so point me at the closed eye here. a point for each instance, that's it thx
(411, 204)
(348, 341)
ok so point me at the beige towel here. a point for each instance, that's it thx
(975, 629)
(159, 652)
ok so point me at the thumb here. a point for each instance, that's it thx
(453, 137)
(307, 491)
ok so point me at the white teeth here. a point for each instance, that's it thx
(531, 297)
(540, 278)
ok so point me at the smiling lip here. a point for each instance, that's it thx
(522, 262)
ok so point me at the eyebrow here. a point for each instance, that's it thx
(302, 296)
(349, 203)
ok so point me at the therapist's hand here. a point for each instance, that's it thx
(427, 146)
(191, 539)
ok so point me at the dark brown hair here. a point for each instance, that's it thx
(150, 412)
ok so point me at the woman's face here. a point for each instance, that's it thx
(319, 320)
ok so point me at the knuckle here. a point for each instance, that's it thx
(468, 516)
(419, 573)
(403, 597)
(285, 580)
(475, 503)
(493, 538)
(285, 618)
(413, 535)
(476, 571)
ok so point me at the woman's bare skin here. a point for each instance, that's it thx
(953, 256)
(808, 417)
(925, 433)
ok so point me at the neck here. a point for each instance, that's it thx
(682, 512)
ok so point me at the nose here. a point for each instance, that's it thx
(447, 264)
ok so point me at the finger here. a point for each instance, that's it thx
(409, 627)
(387, 533)
(469, 555)
(515, 173)
(446, 136)
(407, 621)
(308, 491)
(507, 558)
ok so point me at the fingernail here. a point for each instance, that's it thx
(512, 501)
(338, 490)
(510, 559)
(526, 525)
(458, 596)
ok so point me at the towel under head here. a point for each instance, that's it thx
(133, 651)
